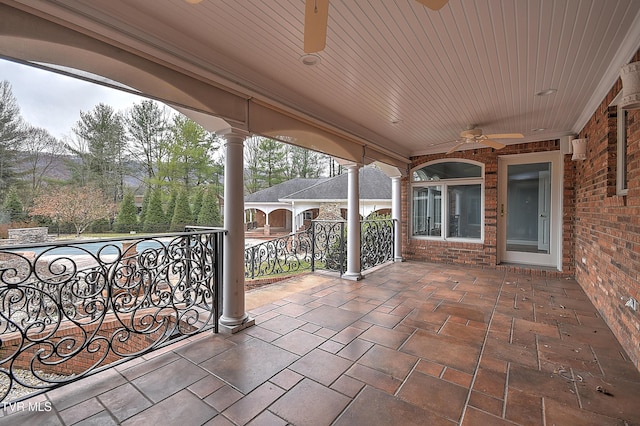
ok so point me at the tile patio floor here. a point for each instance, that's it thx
(412, 343)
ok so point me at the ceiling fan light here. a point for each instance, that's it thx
(310, 60)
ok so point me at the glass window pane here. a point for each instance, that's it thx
(427, 211)
(464, 211)
(447, 170)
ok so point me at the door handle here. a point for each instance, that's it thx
(501, 209)
(543, 215)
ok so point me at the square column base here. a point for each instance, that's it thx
(352, 276)
(239, 327)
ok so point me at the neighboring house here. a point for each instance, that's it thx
(292, 204)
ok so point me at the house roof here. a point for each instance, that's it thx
(281, 190)
(374, 185)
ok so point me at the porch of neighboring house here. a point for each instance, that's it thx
(260, 233)
(413, 343)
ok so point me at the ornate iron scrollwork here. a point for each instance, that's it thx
(322, 246)
(69, 310)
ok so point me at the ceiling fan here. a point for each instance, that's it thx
(316, 13)
(474, 135)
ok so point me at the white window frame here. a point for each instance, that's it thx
(622, 177)
(444, 184)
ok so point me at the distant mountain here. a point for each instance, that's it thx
(59, 169)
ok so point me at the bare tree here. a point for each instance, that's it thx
(252, 165)
(80, 206)
(41, 152)
(305, 163)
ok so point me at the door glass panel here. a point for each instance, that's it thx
(529, 207)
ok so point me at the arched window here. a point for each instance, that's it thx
(448, 200)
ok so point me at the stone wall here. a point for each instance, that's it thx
(329, 211)
(27, 236)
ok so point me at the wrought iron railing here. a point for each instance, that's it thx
(69, 310)
(322, 246)
(376, 242)
(283, 255)
(330, 245)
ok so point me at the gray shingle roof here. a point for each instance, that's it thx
(276, 192)
(374, 185)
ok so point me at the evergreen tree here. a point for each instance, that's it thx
(102, 137)
(145, 206)
(147, 126)
(182, 212)
(127, 219)
(12, 133)
(155, 219)
(210, 211)
(13, 206)
(190, 151)
(171, 206)
(197, 203)
(272, 162)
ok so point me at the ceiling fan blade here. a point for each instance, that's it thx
(316, 13)
(456, 147)
(505, 136)
(492, 144)
(433, 4)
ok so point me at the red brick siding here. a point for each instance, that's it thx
(608, 225)
(485, 254)
(82, 360)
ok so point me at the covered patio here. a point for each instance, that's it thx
(413, 343)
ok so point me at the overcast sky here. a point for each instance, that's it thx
(54, 101)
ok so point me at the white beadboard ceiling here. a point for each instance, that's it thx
(394, 72)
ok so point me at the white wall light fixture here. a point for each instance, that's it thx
(565, 144)
(579, 148)
(630, 76)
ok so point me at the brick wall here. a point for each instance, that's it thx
(485, 254)
(69, 337)
(608, 225)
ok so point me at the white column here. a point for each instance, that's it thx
(234, 318)
(396, 209)
(294, 218)
(353, 224)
